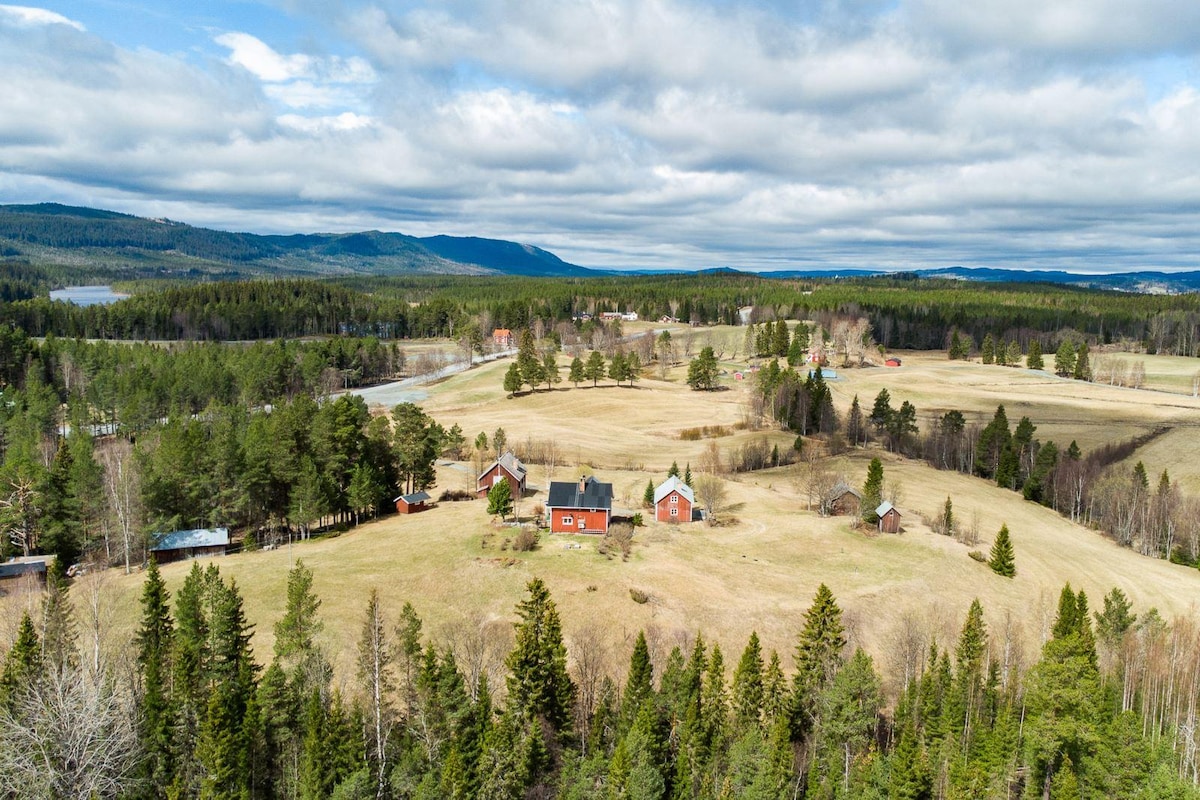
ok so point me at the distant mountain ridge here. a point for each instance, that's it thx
(49, 231)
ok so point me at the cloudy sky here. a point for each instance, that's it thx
(630, 133)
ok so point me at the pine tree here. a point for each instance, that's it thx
(575, 374)
(593, 368)
(1116, 619)
(1003, 561)
(499, 499)
(955, 351)
(881, 412)
(1014, 353)
(988, 349)
(946, 523)
(1033, 359)
(296, 632)
(702, 371)
(538, 683)
(550, 369)
(779, 340)
(673, 472)
(872, 493)
(618, 368)
(530, 366)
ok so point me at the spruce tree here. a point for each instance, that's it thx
(687, 474)
(818, 658)
(538, 683)
(575, 374)
(1116, 619)
(153, 642)
(855, 426)
(22, 664)
(955, 351)
(499, 499)
(673, 472)
(530, 366)
(512, 379)
(1083, 369)
(296, 632)
(639, 686)
(747, 689)
(648, 495)
(988, 349)
(593, 368)
(550, 369)
(1064, 359)
(1003, 561)
(872, 493)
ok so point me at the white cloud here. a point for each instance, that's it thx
(28, 17)
(660, 132)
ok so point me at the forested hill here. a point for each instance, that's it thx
(58, 234)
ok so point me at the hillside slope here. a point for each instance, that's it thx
(53, 233)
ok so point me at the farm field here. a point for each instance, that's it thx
(761, 569)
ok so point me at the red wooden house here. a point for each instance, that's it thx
(507, 467)
(412, 503)
(673, 501)
(584, 506)
(503, 338)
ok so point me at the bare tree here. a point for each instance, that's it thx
(710, 460)
(591, 665)
(375, 672)
(907, 647)
(711, 492)
(68, 735)
(19, 512)
(480, 645)
(121, 484)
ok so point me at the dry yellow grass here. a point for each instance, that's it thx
(759, 573)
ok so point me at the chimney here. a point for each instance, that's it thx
(582, 484)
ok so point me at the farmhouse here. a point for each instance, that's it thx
(196, 543)
(584, 506)
(843, 500)
(889, 518)
(503, 338)
(506, 467)
(412, 503)
(673, 501)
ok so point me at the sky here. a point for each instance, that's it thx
(688, 134)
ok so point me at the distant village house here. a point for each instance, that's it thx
(23, 572)
(503, 338)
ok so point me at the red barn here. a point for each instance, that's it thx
(412, 503)
(579, 507)
(503, 338)
(507, 467)
(889, 518)
(673, 501)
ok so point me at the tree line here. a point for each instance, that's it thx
(544, 713)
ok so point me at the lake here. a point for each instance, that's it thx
(87, 295)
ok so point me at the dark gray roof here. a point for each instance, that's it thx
(17, 568)
(511, 463)
(415, 497)
(199, 537)
(567, 494)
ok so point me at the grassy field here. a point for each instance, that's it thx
(761, 569)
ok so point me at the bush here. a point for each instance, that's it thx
(978, 556)
(637, 520)
(526, 540)
(619, 539)
(455, 496)
(639, 597)
(704, 432)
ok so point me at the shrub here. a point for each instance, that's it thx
(619, 539)
(526, 540)
(978, 556)
(455, 496)
(639, 597)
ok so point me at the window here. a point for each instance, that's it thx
(674, 512)
(674, 499)
(568, 520)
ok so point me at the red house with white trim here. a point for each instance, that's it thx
(584, 506)
(673, 501)
(503, 338)
(507, 467)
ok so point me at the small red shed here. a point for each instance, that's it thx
(889, 517)
(892, 362)
(412, 503)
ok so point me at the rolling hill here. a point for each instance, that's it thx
(59, 234)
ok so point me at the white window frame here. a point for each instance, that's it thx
(674, 512)
(568, 519)
(674, 499)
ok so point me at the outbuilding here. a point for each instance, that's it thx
(673, 501)
(505, 468)
(889, 517)
(412, 503)
(195, 543)
(844, 500)
(23, 571)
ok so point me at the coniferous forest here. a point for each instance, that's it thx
(231, 417)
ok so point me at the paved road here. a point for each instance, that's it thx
(409, 390)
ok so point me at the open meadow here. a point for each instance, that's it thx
(760, 568)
